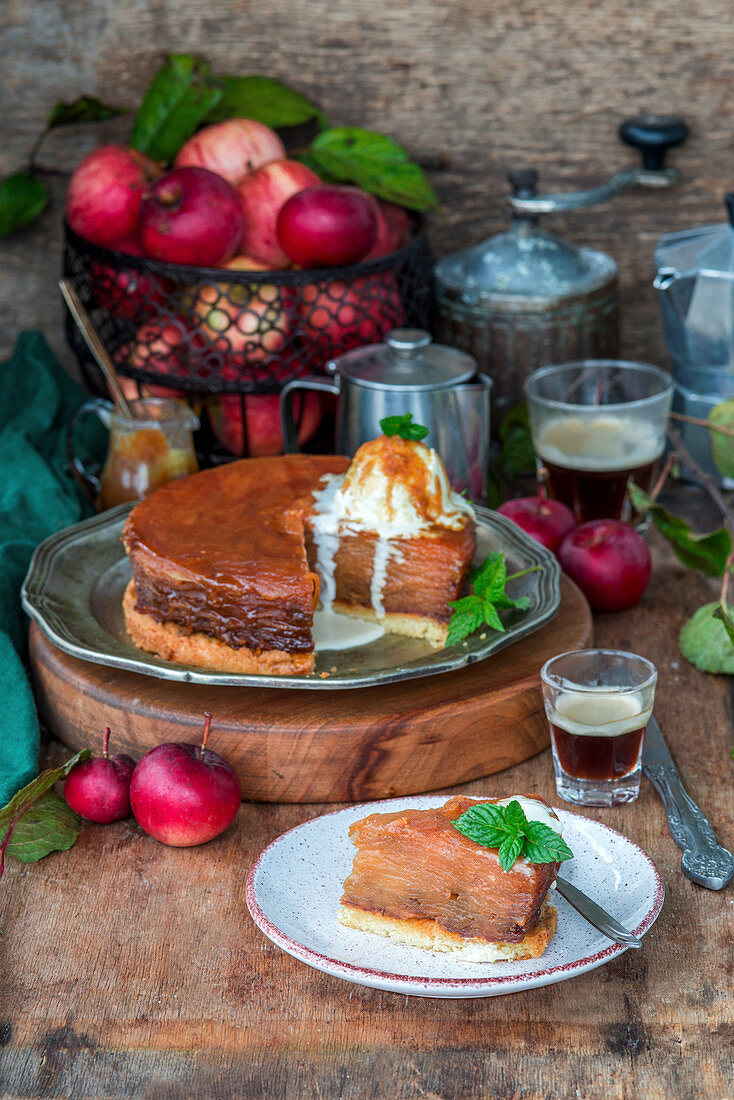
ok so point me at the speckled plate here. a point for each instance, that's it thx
(293, 893)
(77, 578)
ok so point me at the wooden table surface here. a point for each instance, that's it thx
(132, 970)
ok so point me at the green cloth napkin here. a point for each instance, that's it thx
(38, 496)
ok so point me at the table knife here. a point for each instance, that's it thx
(595, 915)
(704, 860)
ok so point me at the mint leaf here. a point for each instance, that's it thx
(485, 823)
(490, 576)
(515, 815)
(488, 581)
(507, 829)
(404, 427)
(85, 109)
(181, 95)
(266, 100)
(704, 641)
(510, 850)
(44, 831)
(22, 198)
(545, 845)
(708, 552)
(491, 616)
(347, 154)
(468, 616)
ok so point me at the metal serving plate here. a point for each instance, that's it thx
(77, 578)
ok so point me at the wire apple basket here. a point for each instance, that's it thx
(229, 339)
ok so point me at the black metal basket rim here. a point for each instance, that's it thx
(287, 277)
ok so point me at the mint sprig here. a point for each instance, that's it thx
(404, 427)
(507, 829)
(489, 581)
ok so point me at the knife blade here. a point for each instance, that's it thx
(704, 861)
(595, 915)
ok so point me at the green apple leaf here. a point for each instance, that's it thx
(22, 198)
(181, 95)
(708, 552)
(85, 109)
(49, 825)
(32, 824)
(705, 642)
(722, 446)
(267, 101)
(724, 615)
(347, 154)
(517, 454)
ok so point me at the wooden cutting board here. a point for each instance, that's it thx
(324, 746)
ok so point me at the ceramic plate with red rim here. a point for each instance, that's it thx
(293, 893)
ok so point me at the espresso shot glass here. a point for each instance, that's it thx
(595, 425)
(598, 703)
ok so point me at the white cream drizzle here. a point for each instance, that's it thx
(379, 575)
(338, 632)
(383, 506)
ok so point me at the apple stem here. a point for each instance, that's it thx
(207, 724)
(105, 742)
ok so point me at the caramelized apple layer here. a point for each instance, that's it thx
(414, 863)
(422, 574)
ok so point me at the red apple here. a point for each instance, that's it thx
(262, 416)
(327, 226)
(231, 149)
(336, 316)
(609, 561)
(106, 191)
(393, 229)
(191, 216)
(547, 521)
(243, 323)
(127, 292)
(165, 347)
(262, 194)
(184, 794)
(98, 789)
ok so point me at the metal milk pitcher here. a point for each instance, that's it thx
(440, 386)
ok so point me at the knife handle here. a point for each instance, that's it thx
(704, 861)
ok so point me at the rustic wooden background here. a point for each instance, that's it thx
(471, 88)
(147, 1000)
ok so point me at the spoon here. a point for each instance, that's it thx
(92, 340)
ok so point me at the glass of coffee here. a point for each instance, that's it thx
(598, 702)
(596, 424)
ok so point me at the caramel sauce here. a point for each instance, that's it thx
(140, 462)
(239, 528)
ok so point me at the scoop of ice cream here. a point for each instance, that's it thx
(399, 487)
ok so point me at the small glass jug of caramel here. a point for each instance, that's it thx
(154, 446)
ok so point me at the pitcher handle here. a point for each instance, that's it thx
(87, 475)
(288, 427)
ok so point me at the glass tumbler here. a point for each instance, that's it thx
(598, 703)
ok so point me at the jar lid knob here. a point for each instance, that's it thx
(408, 340)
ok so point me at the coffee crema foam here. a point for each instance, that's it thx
(600, 443)
(601, 713)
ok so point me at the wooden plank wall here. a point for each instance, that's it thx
(470, 87)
